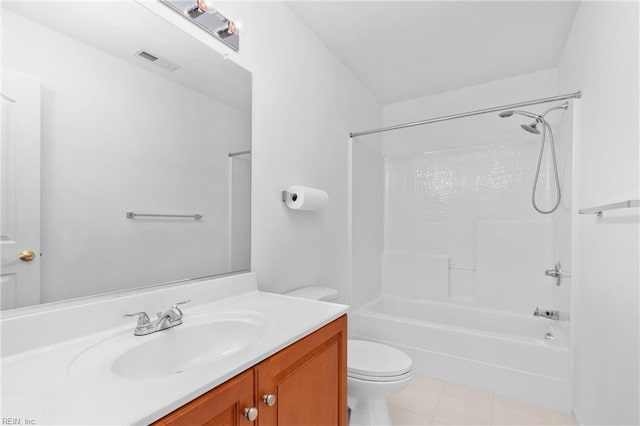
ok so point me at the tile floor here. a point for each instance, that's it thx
(426, 401)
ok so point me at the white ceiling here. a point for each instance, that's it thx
(407, 49)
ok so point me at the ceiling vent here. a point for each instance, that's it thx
(156, 60)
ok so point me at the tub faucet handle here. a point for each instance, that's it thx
(556, 273)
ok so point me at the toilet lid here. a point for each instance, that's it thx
(325, 294)
(376, 360)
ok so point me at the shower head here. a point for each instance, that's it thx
(531, 128)
(509, 113)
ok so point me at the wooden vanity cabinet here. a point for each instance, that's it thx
(308, 380)
(223, 405)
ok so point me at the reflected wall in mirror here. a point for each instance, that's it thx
(107, 108)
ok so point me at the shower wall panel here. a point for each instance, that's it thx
(435, 202)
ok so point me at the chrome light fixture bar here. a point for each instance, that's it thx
(576, 95)
(203, 14)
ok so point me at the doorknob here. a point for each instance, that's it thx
(27, 255)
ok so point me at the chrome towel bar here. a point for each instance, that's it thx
(600, 209)
(133, 215)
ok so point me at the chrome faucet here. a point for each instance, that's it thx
(546, 313)
(169, 318)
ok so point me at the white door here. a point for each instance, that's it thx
(20, 186)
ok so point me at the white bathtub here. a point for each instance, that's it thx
(494, 351)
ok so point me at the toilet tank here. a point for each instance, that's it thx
(325, 294)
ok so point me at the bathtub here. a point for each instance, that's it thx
(514, 355)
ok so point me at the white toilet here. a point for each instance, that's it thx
(375, 371)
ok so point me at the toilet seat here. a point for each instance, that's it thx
(365, 378)
(376, 362)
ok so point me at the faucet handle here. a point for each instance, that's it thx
(143, 318)
(175, 305)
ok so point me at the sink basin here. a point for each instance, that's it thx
(199, 341)
(180, 348)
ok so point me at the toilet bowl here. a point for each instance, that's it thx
(374, 371)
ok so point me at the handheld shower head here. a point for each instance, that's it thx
(531, 128)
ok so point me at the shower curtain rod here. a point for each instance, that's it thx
(576, 95)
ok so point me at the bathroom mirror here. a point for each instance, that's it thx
(126, 153)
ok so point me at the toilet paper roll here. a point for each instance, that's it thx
(304, 198)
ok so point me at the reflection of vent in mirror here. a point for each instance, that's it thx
(162, 63)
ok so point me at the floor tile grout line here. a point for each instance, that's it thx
(493, 403)
(435, 410)
(400, 407)
(440, 391)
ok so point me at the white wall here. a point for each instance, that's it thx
(601, 59)
(305, 103)
(460, 190)
(129, 145)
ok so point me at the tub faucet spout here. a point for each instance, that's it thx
(547, 313)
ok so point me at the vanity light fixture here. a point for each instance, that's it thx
(229, 31)
(202, 6)
(206, 16)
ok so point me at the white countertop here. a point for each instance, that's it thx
(39, 385)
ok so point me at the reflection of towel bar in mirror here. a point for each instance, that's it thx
(133, 215)
(235, 154)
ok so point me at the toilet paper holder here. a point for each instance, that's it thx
(287, 194)
(303, 198)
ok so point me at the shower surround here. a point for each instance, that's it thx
(462, 262)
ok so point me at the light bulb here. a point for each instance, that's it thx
(206, 6)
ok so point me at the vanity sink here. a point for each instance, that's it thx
(199, 341)
(174, 350)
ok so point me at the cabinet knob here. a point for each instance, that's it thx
(269, 399)
(251, 413)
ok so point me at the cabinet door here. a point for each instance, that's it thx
(308, 379)
(222, 406)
